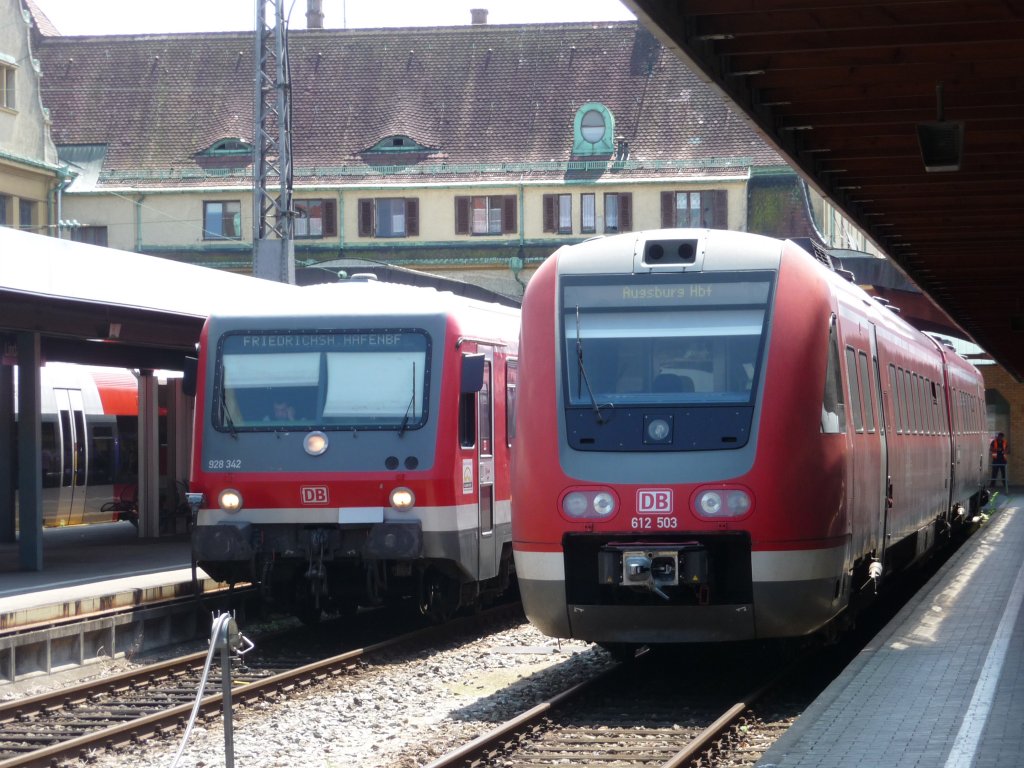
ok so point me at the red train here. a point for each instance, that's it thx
(721, 438)
(352, 447)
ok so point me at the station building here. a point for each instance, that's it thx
(473, 151)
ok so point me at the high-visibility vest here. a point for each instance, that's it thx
(998, 446)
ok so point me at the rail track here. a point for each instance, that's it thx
(707, 706)
(63, 725)
(651, 713)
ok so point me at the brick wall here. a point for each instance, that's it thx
(996, 378)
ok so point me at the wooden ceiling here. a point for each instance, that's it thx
(840, 89)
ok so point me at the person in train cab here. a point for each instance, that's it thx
(999, 448)
(283, 411)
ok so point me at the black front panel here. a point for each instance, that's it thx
(713, 569)
(707, 428)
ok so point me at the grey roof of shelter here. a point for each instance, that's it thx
(486, 102)
(72, 293)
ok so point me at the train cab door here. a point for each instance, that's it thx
(73, 457)
(489, 549)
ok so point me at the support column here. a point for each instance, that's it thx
(7, 454)
(30, 463)
(149, 456)
(179, 442)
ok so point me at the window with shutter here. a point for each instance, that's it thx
(330, 218)
(485, 215)
(705, 208)
(508, 219)
(668, 209)
(626, 212)
(412, 217)
(462, 211)
(550, 208)
(618, 212)
(365, 226)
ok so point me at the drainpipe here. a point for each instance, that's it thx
(517, 262)
(138, 223)
(56, 201)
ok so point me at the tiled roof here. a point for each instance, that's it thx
(40, 20)
(488, 101)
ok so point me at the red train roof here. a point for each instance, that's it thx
(119, 391)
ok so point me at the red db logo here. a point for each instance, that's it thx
(314, 494)
(654, 501)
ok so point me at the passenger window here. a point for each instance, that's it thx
(511, 383)
(855, 389)
(467, 419)
(833, 409)
(929, 397)
(912, 398)
(484, 414)
(894, 388)
(867, 390)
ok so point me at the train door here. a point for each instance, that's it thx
(884, 481)
(868, 465)
(489, 551)
(73, 457)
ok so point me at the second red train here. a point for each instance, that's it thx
(722, 438)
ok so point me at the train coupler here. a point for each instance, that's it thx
(652, 568)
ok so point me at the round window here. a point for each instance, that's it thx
(592, 126)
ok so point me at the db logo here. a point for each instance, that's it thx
(656, 501)
(314, 494)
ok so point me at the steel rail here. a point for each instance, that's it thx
(471, 752)
(174, 718)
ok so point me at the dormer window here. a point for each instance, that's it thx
(593, 130)
(398, 143)
(226, 147)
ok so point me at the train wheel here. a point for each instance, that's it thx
(439, 596)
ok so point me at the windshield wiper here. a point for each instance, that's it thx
(228, 420)
(410, 410)
(581, 372)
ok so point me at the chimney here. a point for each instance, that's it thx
(479, 15)
(314, 14)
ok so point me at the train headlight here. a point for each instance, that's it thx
(575, 504)
(230, 500)
(710, 503)
(590, 504)
(402, 499)
(315, 443)
(604, 504)
(722, 503)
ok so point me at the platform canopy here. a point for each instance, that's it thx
(905, 114)
(108, 307)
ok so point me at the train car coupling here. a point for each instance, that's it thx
(653, 568)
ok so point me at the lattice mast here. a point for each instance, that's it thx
(273, 228)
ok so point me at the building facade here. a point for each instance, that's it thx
(30, 174)
(472, 151)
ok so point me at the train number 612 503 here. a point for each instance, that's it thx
(651, 522)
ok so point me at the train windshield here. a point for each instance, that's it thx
(366, 379)
(679, 339)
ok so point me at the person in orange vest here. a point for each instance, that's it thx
(999, 448)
